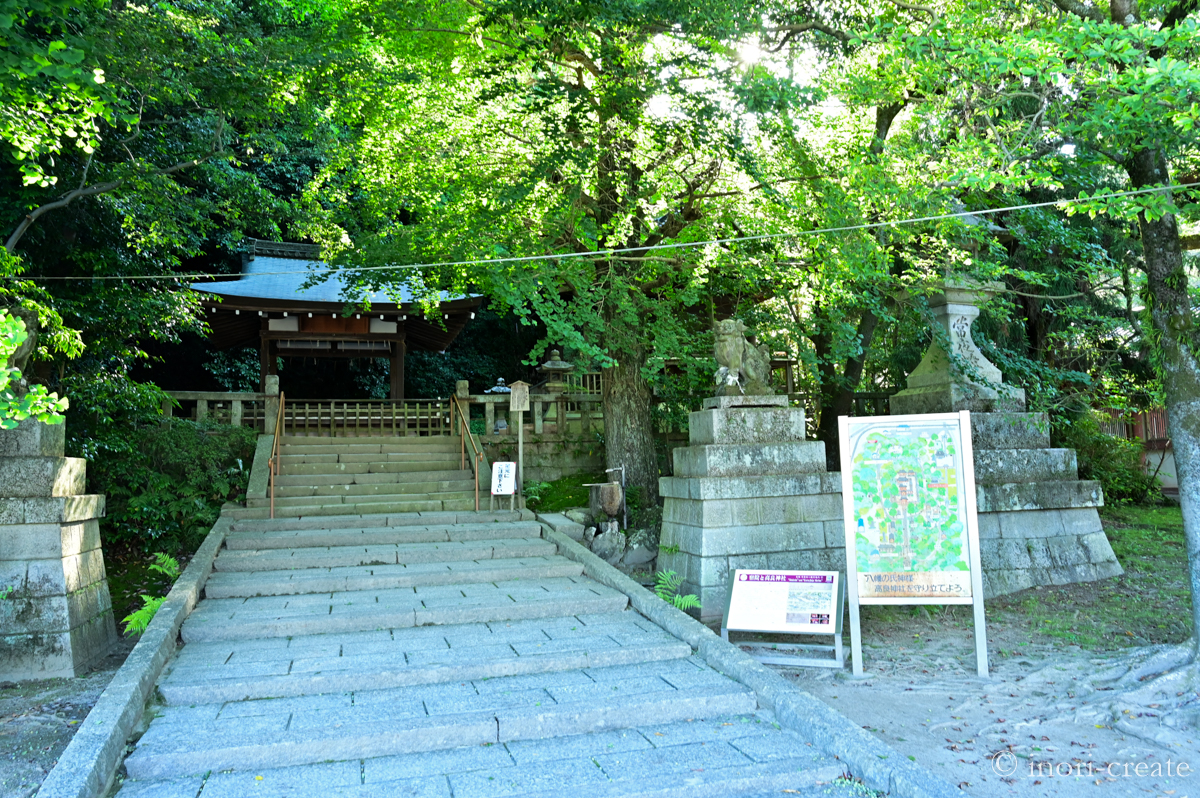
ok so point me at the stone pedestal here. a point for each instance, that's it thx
(1038, 522)
(56, 616)
(748, 492)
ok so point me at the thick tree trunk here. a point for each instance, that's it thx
(1178, 346)
(837, 392)
(628, 427)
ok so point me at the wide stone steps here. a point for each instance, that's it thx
(463, 500)
(331, 467)
(397, 489)
(361, 535)
(353, 611)
(373, 520)
(448, 654)
(365, 477)
(287, 459)
(382, 554)
(738, 755)
(244, 735)
(237, 670)
(370, 445)
(381, 577)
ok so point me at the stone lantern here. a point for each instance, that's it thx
(963, 379)
(554, 369)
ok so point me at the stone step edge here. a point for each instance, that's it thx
(365, 536)
(324, 583)
(243, 560)
(384, 519)
(759, 779)
(400, 619)
(211, 691)
(415, 735)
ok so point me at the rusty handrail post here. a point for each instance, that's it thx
(465, 431)
(273, 462)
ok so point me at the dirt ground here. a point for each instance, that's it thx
(38, 719)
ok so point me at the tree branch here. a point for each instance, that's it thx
(1079, 9)
(91, 191)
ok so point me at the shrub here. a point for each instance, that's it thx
(166, 482)
(1116, 463)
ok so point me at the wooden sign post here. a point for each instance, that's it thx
(912, 533)
(518, 401)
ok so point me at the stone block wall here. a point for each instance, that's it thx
(548, 456)
(55, 611)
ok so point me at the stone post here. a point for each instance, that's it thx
(56, 615)
(271, 405)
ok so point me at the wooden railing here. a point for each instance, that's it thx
(362, 417)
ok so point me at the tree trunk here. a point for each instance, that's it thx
(1178, 346)
(628, 427)
(837, 392)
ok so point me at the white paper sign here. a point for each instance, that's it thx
(798, 602)
(504, 479)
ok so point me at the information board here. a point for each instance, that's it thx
(799, 602)
(908, 497)
(504, 479)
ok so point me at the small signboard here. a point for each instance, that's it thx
(518, 399)
(504, 479)
(787, 602)
(912, 535)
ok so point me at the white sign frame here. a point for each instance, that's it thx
(743, 577)
(965, 478)
(504, 479)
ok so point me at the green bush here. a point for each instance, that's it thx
(165, 483)
(1116, 463)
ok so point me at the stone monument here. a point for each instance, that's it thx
(1038, 522)
(56, 616)
(748, 491)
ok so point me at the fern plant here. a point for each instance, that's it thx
(666, 587)
(137, 621)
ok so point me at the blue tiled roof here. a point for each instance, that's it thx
(281, 278)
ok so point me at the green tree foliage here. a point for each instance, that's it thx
(166, 482)
(17, 400)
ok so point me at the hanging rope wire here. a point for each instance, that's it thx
(605, 253)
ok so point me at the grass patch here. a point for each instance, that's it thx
(561, 494)
(1150, 603)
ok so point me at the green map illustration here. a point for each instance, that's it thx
(907, 500)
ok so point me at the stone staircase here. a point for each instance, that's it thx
(344, 476)
(440, 653)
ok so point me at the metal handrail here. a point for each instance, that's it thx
(273, 462)
(464, 426)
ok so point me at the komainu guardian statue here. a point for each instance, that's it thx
(743, 369)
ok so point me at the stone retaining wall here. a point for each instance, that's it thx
(55, 611)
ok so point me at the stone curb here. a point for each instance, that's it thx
(259, 469)
(89, 763)
(879, 766)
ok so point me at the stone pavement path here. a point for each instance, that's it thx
(444, 654)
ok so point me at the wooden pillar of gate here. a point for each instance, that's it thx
(396, 370)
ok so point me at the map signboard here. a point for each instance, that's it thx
(908, 495)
